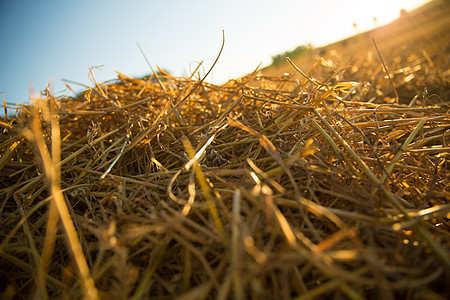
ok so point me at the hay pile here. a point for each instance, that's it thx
(262, 188)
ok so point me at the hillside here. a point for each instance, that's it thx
(422, 34)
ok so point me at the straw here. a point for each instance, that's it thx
(316, 186)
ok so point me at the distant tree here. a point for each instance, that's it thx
(162, 74)
(280, 58)
(403, 13)
(355, 26)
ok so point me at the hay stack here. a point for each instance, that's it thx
(262, 188)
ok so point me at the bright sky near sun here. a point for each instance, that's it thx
(46, 41)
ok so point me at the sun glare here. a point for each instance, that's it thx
(349, 17)
(370, 14)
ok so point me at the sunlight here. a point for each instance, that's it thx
(369, 14)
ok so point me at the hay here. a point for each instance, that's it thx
(264, 187)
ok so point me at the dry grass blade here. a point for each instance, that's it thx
(205, 188)
(386, 69)
(51, 167)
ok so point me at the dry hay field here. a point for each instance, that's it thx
(322, 184)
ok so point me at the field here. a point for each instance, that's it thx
(330, 182)
(420, 35)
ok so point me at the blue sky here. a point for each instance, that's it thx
(46, 41)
